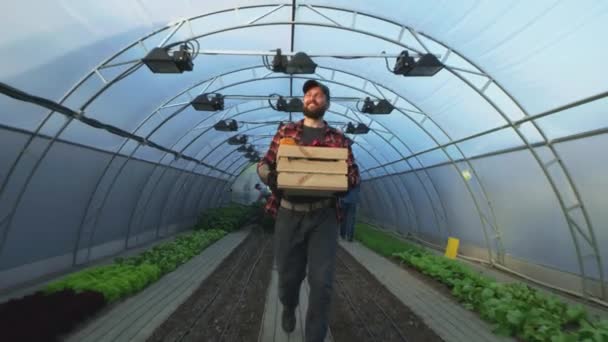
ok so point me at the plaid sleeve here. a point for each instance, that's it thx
(353, 170)
(270, 158)
(272, 204)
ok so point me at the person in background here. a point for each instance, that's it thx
(263, 193)
(349, 207)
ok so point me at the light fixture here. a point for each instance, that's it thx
(299, 63)
(382, 107)
(246, 148)
(427, 65)
(206, 102)
(229, 125)
(294, 105)
(361, 128)
(251, 155)
(238, 139)
(404, 63)
(160, 62)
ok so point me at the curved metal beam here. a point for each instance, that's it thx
(167, 201)
(492, 222)
(431, 201)
(144, 208)
(573, 226)
(207, 154)
(382, 137)
(97, 211)
(139, 64)
(380, 198)
(593, 241)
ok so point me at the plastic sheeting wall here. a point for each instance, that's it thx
(51, 235)
(502, 81)
(530, 221)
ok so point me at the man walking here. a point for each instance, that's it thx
(306, 227)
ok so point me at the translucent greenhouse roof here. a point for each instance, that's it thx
(503, 148)
(515, 74)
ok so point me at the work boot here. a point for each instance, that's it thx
(288, 319)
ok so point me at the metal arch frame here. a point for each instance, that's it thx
(239, 70)
(557, 160)
(362, 147)
(283, 77)
(167, 119)
(373, 157)
(240, 168)
(382, 137)
(98, 210)
(117, 152)
(431, 200)
(217, 146)
(317, 24)
(186, 208)
(96, 71)
(397, 43)
(235, 175)
(382, 198)
(144, 208)
(591, 240)
(166, 203)
(202, 196)
(573, 226)
(219, 184)
(145, 184)
(9, 218)
(164, 206)
(173, 204)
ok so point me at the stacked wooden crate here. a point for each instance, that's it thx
(311, 171)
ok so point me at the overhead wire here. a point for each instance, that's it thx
(80, 116)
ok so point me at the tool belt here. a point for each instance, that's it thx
(324, 203)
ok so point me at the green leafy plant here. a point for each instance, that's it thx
(515, 309)
(127, 276)
(227, 218)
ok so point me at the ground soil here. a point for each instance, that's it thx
(364, 310)
(229, 305)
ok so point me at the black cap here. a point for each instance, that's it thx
(313, 83)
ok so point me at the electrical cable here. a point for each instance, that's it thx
(59, 108)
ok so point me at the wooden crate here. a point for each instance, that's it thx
(312, 152)
(312, 171)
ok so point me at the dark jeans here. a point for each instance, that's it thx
(347, 226)
(301, 239)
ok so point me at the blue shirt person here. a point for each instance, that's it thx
(349, 206)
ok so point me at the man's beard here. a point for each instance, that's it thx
(314, 114)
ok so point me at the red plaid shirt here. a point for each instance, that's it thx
(332, 138)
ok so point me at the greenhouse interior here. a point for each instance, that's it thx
(143, 170)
